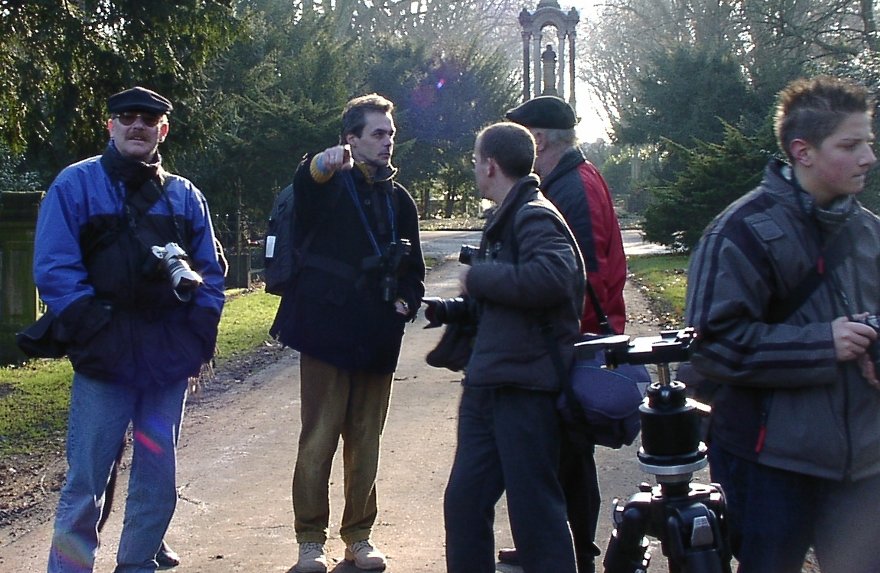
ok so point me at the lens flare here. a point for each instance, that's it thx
(147, 442)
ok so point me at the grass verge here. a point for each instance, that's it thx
(663, 279)
(34, 396)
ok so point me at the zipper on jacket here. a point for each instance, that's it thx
(766, 400)
(762, 432)
(844, 379)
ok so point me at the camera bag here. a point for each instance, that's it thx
(454, 349)
(600, 405)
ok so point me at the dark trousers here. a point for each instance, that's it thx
(508, 440)
(580, 485)
(776, 515)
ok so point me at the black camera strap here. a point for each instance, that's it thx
(604, 325)
(349, 185)
(135, 206)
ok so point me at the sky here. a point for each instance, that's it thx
(591, 126)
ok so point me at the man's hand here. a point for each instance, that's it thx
(851, 339)
(462, 280)
(869, 370)
(336, 158)
(401, 307)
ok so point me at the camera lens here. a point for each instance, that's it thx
(184, 280)
(439, 311)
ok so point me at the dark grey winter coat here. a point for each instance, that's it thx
(524, 281)
(819, 416)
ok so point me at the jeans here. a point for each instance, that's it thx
(508, 439)
(775, 516)
(99, 416)
(338, 403)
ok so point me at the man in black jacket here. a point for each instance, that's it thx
(529, 284)
(360, 281)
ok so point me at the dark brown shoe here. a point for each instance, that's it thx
(508, 556)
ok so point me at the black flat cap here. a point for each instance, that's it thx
(138, 99)
(549, 112)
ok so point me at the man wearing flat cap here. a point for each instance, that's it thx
(577, 189)
(124, 257)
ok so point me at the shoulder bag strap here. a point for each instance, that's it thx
(829, 258)
(604, 326)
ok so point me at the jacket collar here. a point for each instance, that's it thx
(570, 160)
(382, 174)
(780, 180)
(521, 193)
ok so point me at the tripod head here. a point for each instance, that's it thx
(671, 447)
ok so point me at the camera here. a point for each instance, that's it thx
(387, 265)
(173, 260)
(457, 310)
(468, 254)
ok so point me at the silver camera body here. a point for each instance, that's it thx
(184, 280)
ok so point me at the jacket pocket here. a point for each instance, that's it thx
(103, 355)
(172, 349)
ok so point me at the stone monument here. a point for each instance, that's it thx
(553, 71)
(19, 304)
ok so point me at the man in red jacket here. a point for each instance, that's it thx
(577, 189)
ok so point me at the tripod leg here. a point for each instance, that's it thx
(695, 542)
(628, 548)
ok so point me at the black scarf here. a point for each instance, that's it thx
(143, 181)
(133, 173)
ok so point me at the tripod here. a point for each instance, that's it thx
(688, 518)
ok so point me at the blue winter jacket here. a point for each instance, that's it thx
(113, 298)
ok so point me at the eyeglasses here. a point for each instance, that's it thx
(128, 117)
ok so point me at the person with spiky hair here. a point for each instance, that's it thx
(780, 287)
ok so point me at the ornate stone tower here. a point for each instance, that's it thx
(545, 66)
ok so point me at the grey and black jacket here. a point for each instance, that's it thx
(784, 399)
(531, 277)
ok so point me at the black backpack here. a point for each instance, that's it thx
(280, 262)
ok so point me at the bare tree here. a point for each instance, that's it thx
(439, 23)
(771, 39)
